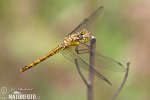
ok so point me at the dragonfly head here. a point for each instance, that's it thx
(84, 35)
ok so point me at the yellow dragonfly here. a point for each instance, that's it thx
(75, 44)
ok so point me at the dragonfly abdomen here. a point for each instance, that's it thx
(39, 60)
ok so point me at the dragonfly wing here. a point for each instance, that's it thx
(72, 55)
(87, 20)
(68, 55)
(109, 63)
(103, 61)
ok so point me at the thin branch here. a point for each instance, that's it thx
(90, 83)
(122, 84)
(91, 72)
(82, 76)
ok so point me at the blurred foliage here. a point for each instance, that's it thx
(30, 28)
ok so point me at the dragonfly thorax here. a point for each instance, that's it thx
(75, 39)
(84, 36)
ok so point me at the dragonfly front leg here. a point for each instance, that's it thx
(83, 49)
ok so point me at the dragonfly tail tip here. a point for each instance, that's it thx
(20, 70)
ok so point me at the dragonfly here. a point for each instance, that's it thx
(76, 44)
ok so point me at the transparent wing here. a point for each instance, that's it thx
(102, 61)
(87, 20)
(106, 62)
(71, 55)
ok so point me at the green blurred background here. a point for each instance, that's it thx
(30, 28)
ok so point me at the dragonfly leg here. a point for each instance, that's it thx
(82, 51)
(79, 71)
